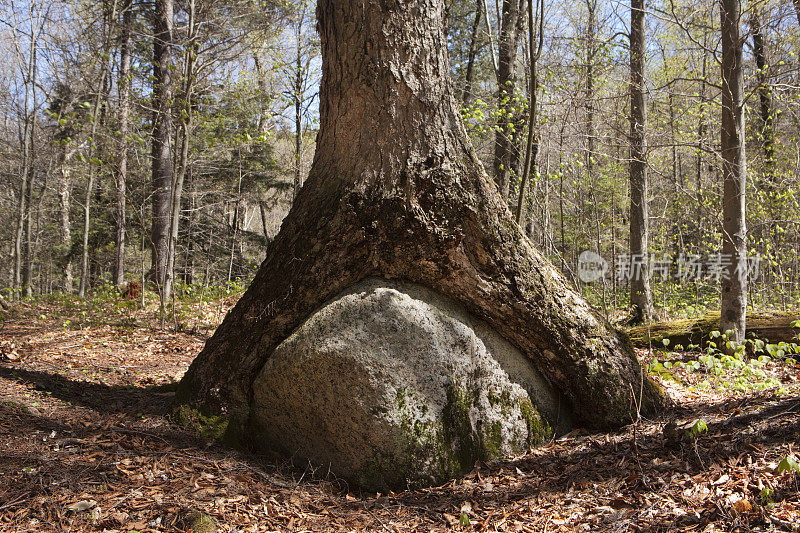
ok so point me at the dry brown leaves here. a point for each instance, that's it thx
(85, 446)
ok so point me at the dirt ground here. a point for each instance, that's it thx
(85, 445)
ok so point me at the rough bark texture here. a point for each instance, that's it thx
(64, 188)
(122, 163)
(396, 191)
(510, 125)
(162, 133)
(640, 284)
(765, 134)
(734, 172)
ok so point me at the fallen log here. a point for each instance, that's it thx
(773, 327)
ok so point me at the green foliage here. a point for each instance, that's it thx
(698, 428)
(788, 464)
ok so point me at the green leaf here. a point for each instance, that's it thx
(463, 520)
(698, 428)
(788, 464)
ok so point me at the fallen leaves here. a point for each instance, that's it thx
(85, 446)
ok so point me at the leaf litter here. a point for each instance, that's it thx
(86, 446)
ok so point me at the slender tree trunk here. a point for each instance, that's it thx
(490, 37)
(734, 173)
(263, 211)
(797, 10)
(506, 144)
(162, 134)
(591, 50)
(641, 296)
(701, 135)
(176, 189)
(64, 192)
(122, 163)
(110, 19)
(532, 146)
(298, 107)
(466, 95)
(23, 207)
(399, 193)
(766, 135)
(27, 254)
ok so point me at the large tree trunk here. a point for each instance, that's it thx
(396, 191)
(734, 173)
(640, 281)
(162, 133)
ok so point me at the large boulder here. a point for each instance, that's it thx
(390, 384)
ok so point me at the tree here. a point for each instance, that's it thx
(641, 297)
(506, 145)
(765, 134)
(466, 93)
(396, 191)
(797, 10)
(733, 301)
(100, 96)
(124, 87)
(162, 135)
(532, 144)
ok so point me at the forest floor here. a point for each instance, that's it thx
(86, 445)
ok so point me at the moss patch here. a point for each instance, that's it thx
(210, 427)
(774, 326)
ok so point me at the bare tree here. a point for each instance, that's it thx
(162, 134)
(506, 145)
(734, 173)
(641, 297)
(124, 88)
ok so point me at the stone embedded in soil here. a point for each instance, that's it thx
(390, 384)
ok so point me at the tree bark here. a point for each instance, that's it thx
(110, 16)
(797, 10)
(21, 249)
(765, 134)
(396, 191)
(176, 189)
(298, 104)
(64, 190)
(733, 301)
(466, 95)
(161, 142)
(122, 163)
(532, 144)
(641, 296)
(506, 143)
